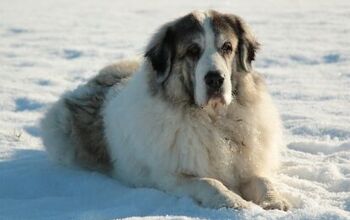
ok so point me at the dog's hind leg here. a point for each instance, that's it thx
(72, 129)
(56, 133)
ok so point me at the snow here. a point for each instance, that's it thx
(47, 47)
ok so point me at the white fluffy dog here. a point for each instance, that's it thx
(192, 118)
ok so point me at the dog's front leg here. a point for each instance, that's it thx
(208, 192)
(261, 191)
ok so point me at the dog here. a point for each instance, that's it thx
(191, 118)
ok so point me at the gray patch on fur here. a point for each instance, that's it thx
(87, 121)
(87, 127)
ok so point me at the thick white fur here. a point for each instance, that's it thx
(185, 152)
(216, 160)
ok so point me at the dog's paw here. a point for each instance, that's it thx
(276, 203)
(238, 204)
(227, 200)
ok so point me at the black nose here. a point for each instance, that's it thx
(214, 80)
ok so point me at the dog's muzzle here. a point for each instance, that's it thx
(214, 82)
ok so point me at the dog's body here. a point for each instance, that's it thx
(191, 119)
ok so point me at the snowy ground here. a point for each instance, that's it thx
(47, 47)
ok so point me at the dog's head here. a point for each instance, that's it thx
(194, 58)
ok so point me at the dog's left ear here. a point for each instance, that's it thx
(247, 43)
(161, 51)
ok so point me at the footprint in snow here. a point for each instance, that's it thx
(25, 104)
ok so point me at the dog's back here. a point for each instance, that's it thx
(73, 127)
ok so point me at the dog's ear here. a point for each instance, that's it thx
(161, 52)
(247, 44)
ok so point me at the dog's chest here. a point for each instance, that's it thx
(204, 148)
(155, 140)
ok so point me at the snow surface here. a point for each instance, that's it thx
(49, 46)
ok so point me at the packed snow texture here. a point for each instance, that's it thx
(50, 46)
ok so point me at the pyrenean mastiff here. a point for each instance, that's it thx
(192, 118)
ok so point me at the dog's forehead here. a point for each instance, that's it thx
(204, 18)
(201, 16)
(187, 26)
(223, 26)
(211, 27)
(215, 23)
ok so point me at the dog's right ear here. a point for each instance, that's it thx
(161, 51)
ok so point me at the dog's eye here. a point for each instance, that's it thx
(226, 48)
(193, 51)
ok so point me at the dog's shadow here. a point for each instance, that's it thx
(42, 189)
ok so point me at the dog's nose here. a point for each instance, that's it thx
(214, 80)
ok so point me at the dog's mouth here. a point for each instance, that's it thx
(216, 105)
(216, 101)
